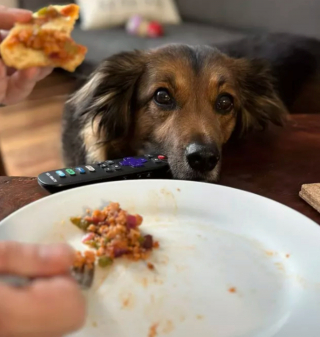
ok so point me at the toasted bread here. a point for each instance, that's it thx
(45, 41)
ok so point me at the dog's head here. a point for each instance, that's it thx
(182, 101)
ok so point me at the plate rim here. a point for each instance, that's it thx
(146, 181)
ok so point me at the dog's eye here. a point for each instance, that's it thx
(162, 97)
(224, 103)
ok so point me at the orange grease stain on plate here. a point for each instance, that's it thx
(232, 290)
(169, 327)
(287, 256)
(280, 266)
(153, 330)
(94, 324)
(199, 317)
(157, 280)
(127, 301)
(164, 260)
(145, 282)
(270, 253)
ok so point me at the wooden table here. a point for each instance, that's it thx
(273, 164)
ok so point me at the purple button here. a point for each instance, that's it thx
(134, 162)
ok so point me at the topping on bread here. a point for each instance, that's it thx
(45, 41)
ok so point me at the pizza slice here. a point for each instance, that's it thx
(45, 41)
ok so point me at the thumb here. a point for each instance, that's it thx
(9, 16)
(35, 260)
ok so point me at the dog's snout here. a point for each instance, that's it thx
(202, 157)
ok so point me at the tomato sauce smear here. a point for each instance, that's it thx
(55, 44)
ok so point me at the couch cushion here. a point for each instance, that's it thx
(288, 16)
(104, 43)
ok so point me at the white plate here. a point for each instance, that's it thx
(230, 264)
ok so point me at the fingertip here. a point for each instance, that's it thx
(38, 260)
(3, 70)
(44, 72)
(59, 257)
(30, 73)
(21, 15)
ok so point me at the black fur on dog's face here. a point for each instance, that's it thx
(181, 101)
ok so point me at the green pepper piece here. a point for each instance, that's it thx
(42, 11)
(104, 261)
(95, 245)
(76, 221)
(84, 224)
(141, 239)
(70, 48)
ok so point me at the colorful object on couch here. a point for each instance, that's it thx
(136, 25)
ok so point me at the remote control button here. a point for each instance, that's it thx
(81, 170)
(110, 162)
(130, 161)
(61, 174)
(149, 156)
(104, 165)
(162, 157)
(101, 162)
(71, 172)
(90, 168)
(117, 167)
(108, 170)
(137, 165)
(156, 160)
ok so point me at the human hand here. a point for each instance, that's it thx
(51, 306)
(15, 86)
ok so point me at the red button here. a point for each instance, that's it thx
(161, 157)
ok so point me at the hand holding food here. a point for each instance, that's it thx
(16, 85)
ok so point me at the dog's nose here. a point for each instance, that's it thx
(202, 157)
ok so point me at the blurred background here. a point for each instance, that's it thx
(30, 131)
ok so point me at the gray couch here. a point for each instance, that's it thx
(204, 22)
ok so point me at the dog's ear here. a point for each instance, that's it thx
(260, 104)
(106, 98)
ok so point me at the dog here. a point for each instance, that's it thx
(187, 101)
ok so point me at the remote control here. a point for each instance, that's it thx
(143, 167)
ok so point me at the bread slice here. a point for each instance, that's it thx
(45, 41)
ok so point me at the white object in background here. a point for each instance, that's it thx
(9, 3)
(97, 14)
(230, 263)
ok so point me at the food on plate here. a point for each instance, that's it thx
(112, 233)
(45, 41)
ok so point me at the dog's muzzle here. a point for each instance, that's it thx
(202, 157)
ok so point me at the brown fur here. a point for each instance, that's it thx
(117, 114)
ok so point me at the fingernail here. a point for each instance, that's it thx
(19, 11)
(21, 15)
(46, 251)
(54, 250)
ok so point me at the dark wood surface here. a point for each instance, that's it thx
(2, 169)
(273, 164)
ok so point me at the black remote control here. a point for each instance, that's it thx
(143, 167)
